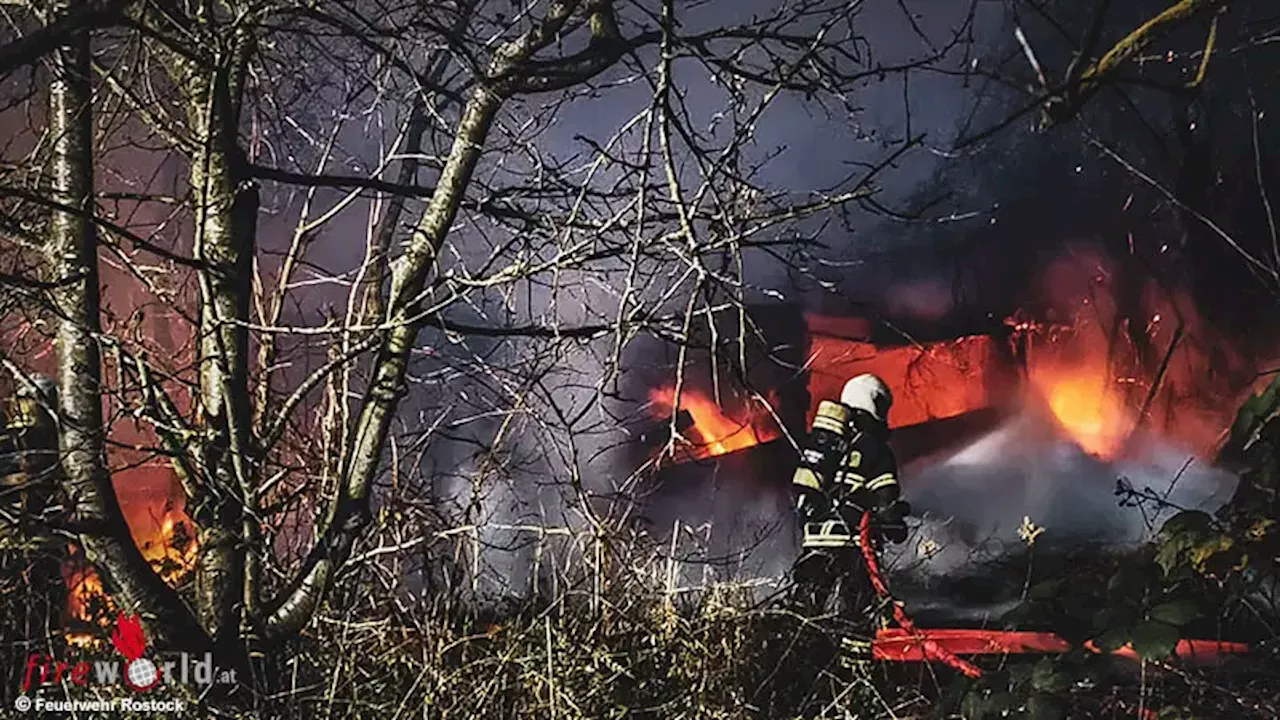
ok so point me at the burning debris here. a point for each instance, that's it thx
(710, 428)
(167, 540)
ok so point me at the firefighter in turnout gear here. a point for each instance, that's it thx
(846, 469)
(29, 447)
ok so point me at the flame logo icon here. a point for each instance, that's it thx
(140, 674)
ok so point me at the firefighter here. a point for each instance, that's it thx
(31, 431)
(29, 448)
(846, 469)
(32, 592)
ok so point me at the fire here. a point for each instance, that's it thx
(930, 382)
(161, 530)
(1128, 360)
(173, 551)
(717, 430)
(1086, 407)
(1103, 349)
(151, 316)
(86, 590)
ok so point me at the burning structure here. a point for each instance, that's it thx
(1041, 414)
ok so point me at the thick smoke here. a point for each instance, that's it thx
(722, 528)
(974, 502)
(1025, 490)
(974, 508)
(583, 453)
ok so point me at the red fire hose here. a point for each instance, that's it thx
(932, 650)
(911, 644)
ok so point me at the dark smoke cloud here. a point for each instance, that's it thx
(993, 210)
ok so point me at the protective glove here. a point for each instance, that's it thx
(812, 506)
(890, 521)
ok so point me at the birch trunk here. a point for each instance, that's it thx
(226, 211)
(73, 262)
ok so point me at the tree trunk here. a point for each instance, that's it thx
(350, 511)
(73, 261)
(226, 213)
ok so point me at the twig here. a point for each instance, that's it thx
(1158, 381)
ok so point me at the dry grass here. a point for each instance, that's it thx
(630, 654)
(631, 643)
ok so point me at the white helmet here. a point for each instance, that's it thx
(868, 392)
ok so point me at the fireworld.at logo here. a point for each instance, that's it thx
(137, 671)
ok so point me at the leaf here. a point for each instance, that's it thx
(1126, 582)
(1056, 682)
(954, 693)
(1188, 521)
(1043, 673)
(1253, 411)
(1176, 613)
(1259, 530)
(1202, 553)
(1025, 613)
(1116, 581)
(1113, 639)
(999, 704)
(1155, 640)
(1112, 617)
(973, 706)
(1170, 553)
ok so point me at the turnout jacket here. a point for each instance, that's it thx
(834, 495)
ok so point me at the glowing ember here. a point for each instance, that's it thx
(83, 640)
(716, 430)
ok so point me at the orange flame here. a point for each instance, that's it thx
(173, 550)
(85, 587)
(163, 534)
(1086, 406)
(1120, 360)
(932, 381)
(1107, 352)
(716, 430)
